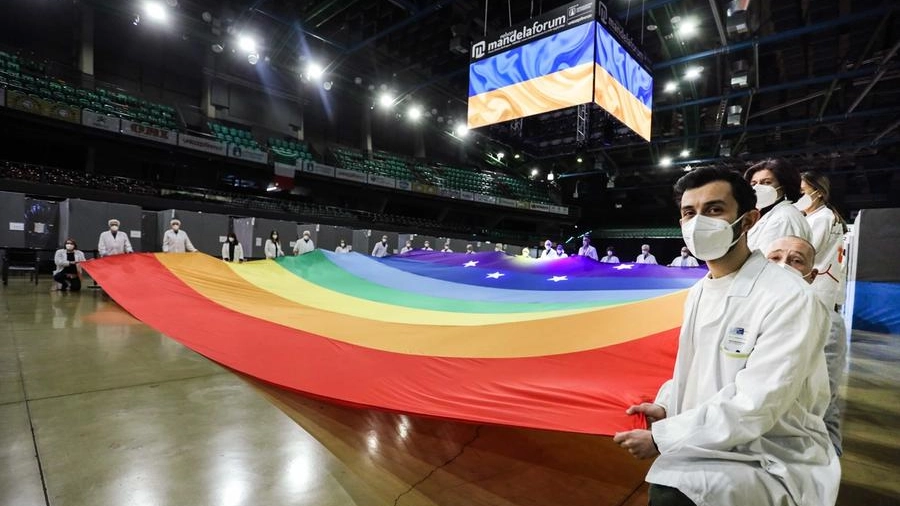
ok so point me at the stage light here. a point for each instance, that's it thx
(685, 153)
(327, 85)
(414, 112)
(517, 156)
(386, 100)
(314, 70)
(247, 44)
(693, 73)
(535, 172)
(670, 87)
(551, 177)
(462, 130)
(155, 11)
(665, 161)
(688, 28)
(579, 159)
(500, 155)
(217, 48)
(253, 58)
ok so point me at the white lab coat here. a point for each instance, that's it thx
(588, 251)
(649, 260)
(609, 259)
(405, 249)
(782, 220)
(760, 439)
(429, 248)
(61, 260)
(109, 245)
(836, 359)
(345, 249)
(828, 239)
(549, 253)
(238, 252)
(446, 250)
(380, 250)
(273, 249)
(687, 261)
(177, 243)
(301, 247)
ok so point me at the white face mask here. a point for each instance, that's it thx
(709, 238)
(275, 236)
(804, 203)
(175, 227)
(70, 247)
(684, 254)
(231, 239)
(793, 270)
(114, 228)
(609, 253)
(765, 195)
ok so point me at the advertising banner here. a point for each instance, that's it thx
(487, 199)
(205, 144)
(249, 154)
(149, 133)
(506, 202)
(403, 184)
(559, 209)
(350, 175)
(20, 101)
(100, 121)
(318, 168)
(450, 194)
(424, 188)
(466, 195)
(544, 208)
(387, 182)
(285, 170)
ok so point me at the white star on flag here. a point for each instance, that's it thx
(495, 275)
(557, 279)
(471, 263)
(623, 267)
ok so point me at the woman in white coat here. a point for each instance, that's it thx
(828, 229)
(68, 267)
(232, 250)
(777, 185)
(273, 246)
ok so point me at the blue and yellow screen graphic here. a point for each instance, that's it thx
(576, 66)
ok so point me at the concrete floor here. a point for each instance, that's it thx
(98, 409)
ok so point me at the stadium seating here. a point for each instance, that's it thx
(27, 76)
(289, 151)
(231, 135)
(381, 163)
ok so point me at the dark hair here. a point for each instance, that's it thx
(232, 234)
(271, 234)
(740, 189)
(610, 248)
(70, 240)
(788, 176)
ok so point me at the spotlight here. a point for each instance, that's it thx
(253, 58)
(535, 172)
(516, 156)
(386, 100)
(414, 112)
(670, 87)
(665, 161)
(685, 153)
(579, 159)
(137, 20)
(314, 70)
(693, 73)
(551, 177)
(500, 155)
(687, 28)
(246, 43)
(155, 11)
(217, 48)
(462, 130)
(327, 85)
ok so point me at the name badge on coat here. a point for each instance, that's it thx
(737, 342)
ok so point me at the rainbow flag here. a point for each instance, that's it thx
(562, 344)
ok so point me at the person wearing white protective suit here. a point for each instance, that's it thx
(113, 242)
(176, 240)
(828, 229)
(685, 259)
(776, 184)
(548, 251)
(586, 250)
(740, 422)
(797, 256)
(304, 245)
(381, 248)
(645, 257)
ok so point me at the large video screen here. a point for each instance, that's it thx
(562, 59)
(621, 86)
(551, 73)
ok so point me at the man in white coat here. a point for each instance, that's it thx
(304, 245)
(176, 240)
(740, 422)
(645, 257)
(113, 242)
(684, 260)
(798, 255)
(549, 252)
(586, 250)
(381, 248)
